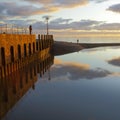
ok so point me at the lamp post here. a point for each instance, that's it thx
(47, 18)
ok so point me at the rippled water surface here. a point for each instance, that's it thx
(83, 86)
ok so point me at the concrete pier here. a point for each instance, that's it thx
(22, 58)
(15, 48)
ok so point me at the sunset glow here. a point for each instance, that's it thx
(66, 17)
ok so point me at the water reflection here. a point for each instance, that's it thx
(76, 71)
(115, 61)
(83, 88)
(88, 64)
(15, 85)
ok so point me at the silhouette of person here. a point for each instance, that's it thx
(30, 29)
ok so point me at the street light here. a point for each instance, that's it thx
(47, 19)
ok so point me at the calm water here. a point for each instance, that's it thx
(92, 39)
(84, 86)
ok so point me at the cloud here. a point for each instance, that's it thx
(12, 9)
(27, 8)
(61, 23)
(115, 61)
(71, 3)
(2, 17)
(114, 8)
(36, 7)
(108, 26)
(60, 3)
(84, 24)
(99, 1)
(64, 24)
(15, 10)
(19, 22)
(65, 3)
(76, 71)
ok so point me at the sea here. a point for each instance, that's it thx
(83, 85)
(90, 39)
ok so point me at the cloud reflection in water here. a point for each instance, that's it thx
(115, 61)
(76, 71)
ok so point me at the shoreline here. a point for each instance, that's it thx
(62, 47)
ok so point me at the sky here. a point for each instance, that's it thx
(66, 17)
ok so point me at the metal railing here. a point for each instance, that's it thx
(13, 29)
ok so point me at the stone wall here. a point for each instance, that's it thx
(21, 57)
(14, 47)
(9, 45)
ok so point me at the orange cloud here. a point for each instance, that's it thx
(74, 64)
(76, 71)
(59, 3)
(79, 65)
(57, 61)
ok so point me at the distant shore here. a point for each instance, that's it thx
(61, 48)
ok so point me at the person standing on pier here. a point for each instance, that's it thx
(30, 29)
